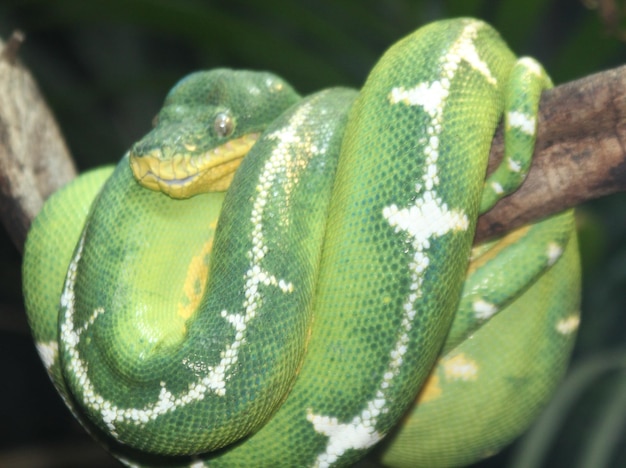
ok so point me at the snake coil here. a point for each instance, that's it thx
(338, 296)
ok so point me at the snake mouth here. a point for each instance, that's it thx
(186, 175)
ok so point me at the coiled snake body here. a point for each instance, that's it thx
(338, 289)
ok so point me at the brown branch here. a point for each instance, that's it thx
(34, 160)
(580, 152)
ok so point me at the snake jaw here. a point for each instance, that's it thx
(186, 175)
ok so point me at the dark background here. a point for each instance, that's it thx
(105, 66)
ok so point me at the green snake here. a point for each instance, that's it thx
(271, 280)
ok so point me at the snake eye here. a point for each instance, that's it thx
(155, 120)
(224, 125)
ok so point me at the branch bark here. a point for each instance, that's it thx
(34, 160)
(579, 156)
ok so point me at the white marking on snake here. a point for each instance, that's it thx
(497, 188)
(426, 218)
(214, 377)
(427, 95)
(48, 352)
(483, 310)
(568, 325)
(343, 436)
(90, 321)
(514, 166)
(554, 252)
(523, 122)
(531, 65)
(111, 413)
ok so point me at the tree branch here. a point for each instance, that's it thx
(34, 160)
(579, 155)
(580, 152)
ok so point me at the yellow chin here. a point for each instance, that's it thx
(184, 176)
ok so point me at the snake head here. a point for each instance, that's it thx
(208, 123)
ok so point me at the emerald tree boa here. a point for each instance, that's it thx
(271, 280)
